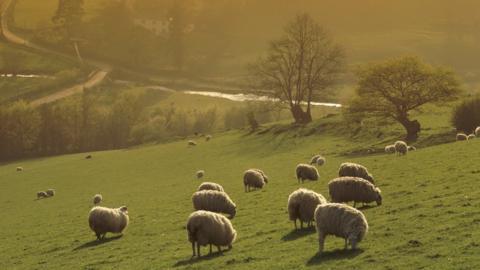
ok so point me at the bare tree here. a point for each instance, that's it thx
(299, 66)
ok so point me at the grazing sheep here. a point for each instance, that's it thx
(321, 161)
(215, 201)
(347, 189)
(471, 137)
(401, 147)
(314, 159)
(210, 186)
(462, 137)
(19, 169)
(306, 172)
(412, 148)
(208, 138)
(51, 192)
(103, 220)
(477, 131)
(355, 170)
(192, 143)
(340, 220)
(200, 174)
(254, 178)
(41, 194)
(390, 149)
(208, 228)
(302, 204)
(97, 199)
(88, 157)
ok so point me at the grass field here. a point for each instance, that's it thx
(429, 218)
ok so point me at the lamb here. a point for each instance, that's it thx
(19, 169)
(342, 221)
(200, 174)
(471, 136)
(401, 147)
(41, 194)
(214, 201)
(210, 186)
(192, 143)
(347, 189)
(302, 204)
(477, 131)
(51, 192)
(390, 149)
(208, 138)
(97, 199)
(306, 172)
(103, 220)
(412, 148)
(462, 137)
(355, 170)
(254, 178)
(208, 228)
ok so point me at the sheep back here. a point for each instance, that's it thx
(347, 189)
(214, 201)
(355, 170)
(210, 186)
(462, 137)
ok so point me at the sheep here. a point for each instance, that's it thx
(254, 178)
(462, 137)
(321, 161)
(192, 143)
(210, 186)
(412, 148)
(103, 220)
(355, 170)
(200, 174)
(347, 189)
(41, 194)
(314, 159)
(306, 172)
(471, 136)
(342, 221)
(88, 157)
(97, 199)
(390, 149)
(301, 205)
(477, 131)
(208, 138)
(51, 192)
(208, 228)
(19, 169)
(215, 201)
(401, 147)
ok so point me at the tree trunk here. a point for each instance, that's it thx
(412, 128)
(300, 116)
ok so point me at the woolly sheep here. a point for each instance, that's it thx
(355, 170)
(210, 186)
(321, 161)
(461, 137)
(200, 174)
(471, 137)
(208, 138)
(477, 131)
(347, 189)
(19, 169)
(103, 220)
(401, 147)
(306, 172)
(340, 220)
(208, 228)
(390, 149)
(97, 198)
(412, 148)
(302, 204)
(41, 194)
(254, 178)
(192, 143)
(215, 201)
(51, 192)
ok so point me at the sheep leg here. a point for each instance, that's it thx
(301, 224)
(198, 250)
(295, 222)
(210, 249)
(346, 244)
(193, 249)
(321, 241)
(354, 204)
(219, 249)
(229, 246)
(99, 236)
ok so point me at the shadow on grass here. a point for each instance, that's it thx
(95, 243)
(366, 207)
(337, 254)
(193, 260)
(295, 234)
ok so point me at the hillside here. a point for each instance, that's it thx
(429, 218)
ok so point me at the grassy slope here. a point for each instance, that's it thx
(429, 219)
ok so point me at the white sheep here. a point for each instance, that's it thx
(209, 228)
(477, 132)
(390, 149)
(462, 137)
(103, 220)
(41, 194)
(401, 147)
(208, 138)
(254, 178)
(321, 161)
(340, 220)
(471, 136)
(356, 170)
(210, 186)
(97, 199)
(51, 192)
(19, 169)
(199, 174)
(192, 143)
(348, 189)
(302, 204)
(306, 172)
(214, 201)
(412, 148)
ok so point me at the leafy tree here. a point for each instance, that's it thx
(466, 116)
(395, 88)
(300, 65)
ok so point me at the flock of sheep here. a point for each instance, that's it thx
(464, 137)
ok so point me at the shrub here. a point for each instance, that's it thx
(466, 116)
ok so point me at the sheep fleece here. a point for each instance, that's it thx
(206, 227)
(103, 220)
(302, 204)
(215, 201)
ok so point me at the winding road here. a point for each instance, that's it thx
(94, 79)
